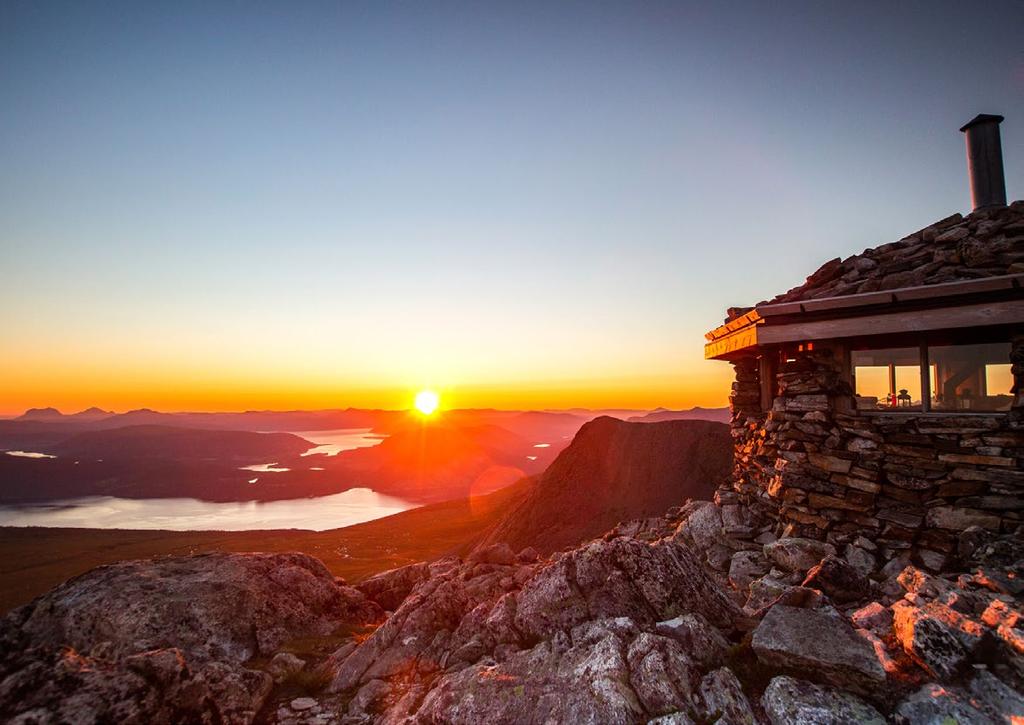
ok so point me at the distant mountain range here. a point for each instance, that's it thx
(659, 415)
(293, 420)
(151, 454)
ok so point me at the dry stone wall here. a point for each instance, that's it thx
(906, 481)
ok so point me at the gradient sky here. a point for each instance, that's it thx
(278, 205)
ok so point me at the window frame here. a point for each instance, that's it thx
(923, 342)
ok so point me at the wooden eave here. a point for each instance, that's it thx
(950, 305)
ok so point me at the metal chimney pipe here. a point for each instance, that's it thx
(985, 161)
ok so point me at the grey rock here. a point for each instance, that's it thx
(704, 524)
(820, 644)
(722, 699)
(935, 704)
(528, 555)
(873, 617)
(390, 588)
(369, 698)
(860, 559)
(788, 701)
(838, 580)
(796, 554)
(745, 567)
(299, 704)
(167, 639)
(719, 557)
(704, 643)
(1004, 702)
(585, 678)
(929, 640)
(500, 553)
(675, 718)
(622, 577)
(452, 620)
(764, 591)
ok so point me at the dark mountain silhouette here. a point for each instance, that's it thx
(719, 415)
(154, 441)
(42, 415)
(424, 461)
(90, 414)
(615, 471)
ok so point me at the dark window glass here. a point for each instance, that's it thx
(970, 377)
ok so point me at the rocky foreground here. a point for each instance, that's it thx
(700, 616)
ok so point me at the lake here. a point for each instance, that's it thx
(188, 514)
(333, 442)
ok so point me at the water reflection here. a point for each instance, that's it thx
(265, 468)
(333, 442)
(187, 514)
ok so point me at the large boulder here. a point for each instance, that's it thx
(390, 588)
(838, 579)
(605, 671)
(228, 607)
(820, 644)
(622, 577)
(722, 699)
(998, 697)
(796, 554)
(618, 630)
(114, 643)
(425, 629)
(745, 567)
(704, 643)
(929, 639)
(702, 525)
(788, 701)
(935, 704)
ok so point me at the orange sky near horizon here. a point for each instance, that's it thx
(71, 392)
(305, 357)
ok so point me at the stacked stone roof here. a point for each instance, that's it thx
(987, 243)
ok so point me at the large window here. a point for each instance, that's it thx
(969, 378)
(887, 379)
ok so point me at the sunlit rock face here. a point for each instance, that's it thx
(167, 639)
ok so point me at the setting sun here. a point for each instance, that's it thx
(427, 401)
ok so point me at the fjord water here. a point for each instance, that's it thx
(188, 514)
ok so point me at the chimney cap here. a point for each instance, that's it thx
(981, 118)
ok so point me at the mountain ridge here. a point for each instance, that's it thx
(615, 471)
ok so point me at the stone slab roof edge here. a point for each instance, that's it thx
(957, 255)
(936, 292)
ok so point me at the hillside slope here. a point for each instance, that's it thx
(615, 471)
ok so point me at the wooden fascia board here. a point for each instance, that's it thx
(978, 315)
(722, 348)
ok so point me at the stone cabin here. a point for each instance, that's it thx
(884, 397)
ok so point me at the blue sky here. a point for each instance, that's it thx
(286, 202)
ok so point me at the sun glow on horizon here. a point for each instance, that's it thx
(427, 401)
